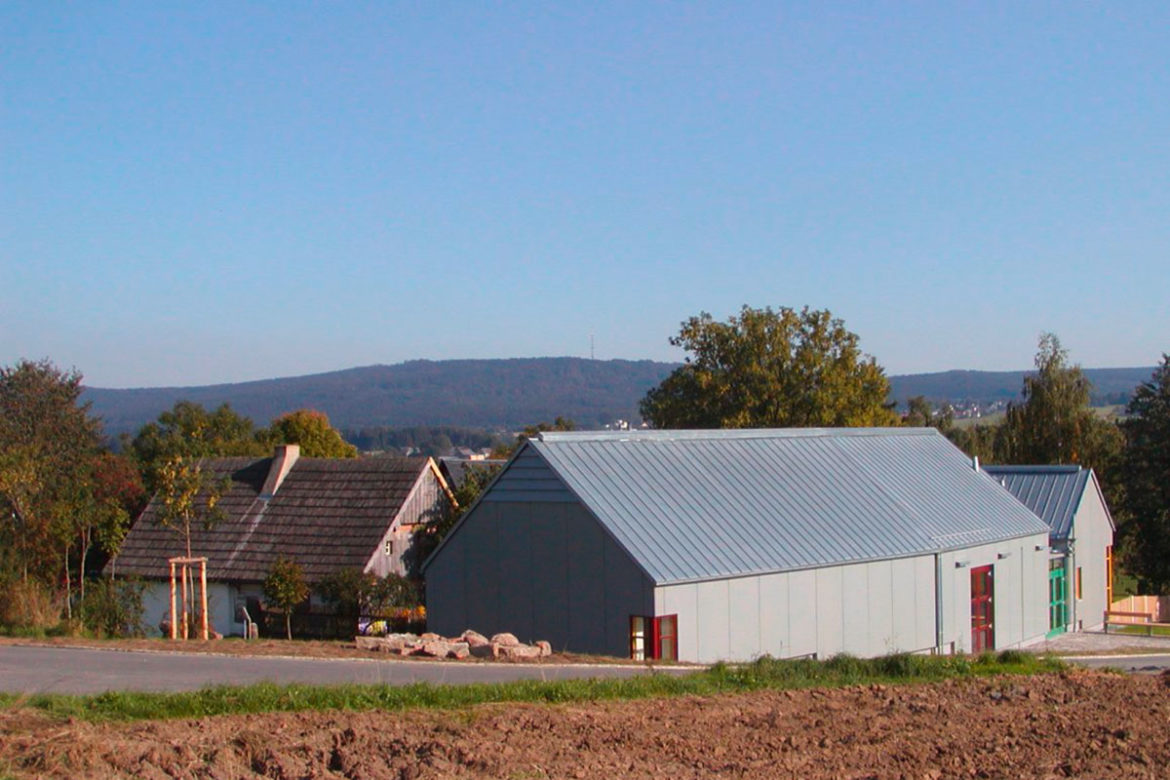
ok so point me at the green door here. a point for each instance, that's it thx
(1057, 597)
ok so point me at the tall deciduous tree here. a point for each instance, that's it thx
(190, 431)
(1054, 423)
(312, 431)
(46, 439)
(1145, 474)
(770, 368)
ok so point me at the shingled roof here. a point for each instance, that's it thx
(328, 514)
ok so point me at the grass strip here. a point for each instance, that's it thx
(763, 674)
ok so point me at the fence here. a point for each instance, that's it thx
(1144, 611)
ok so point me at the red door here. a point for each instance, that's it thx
(982, 610)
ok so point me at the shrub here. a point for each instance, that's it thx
(113, 608)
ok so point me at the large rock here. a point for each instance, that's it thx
(435, 648)
(490, 650)
(474, 638)
(544, 647)
(519, 651)
(458, 650)
(505, 640)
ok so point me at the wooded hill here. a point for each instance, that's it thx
(509, 394)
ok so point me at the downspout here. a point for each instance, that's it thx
(938, 606)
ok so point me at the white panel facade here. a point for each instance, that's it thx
(1020, 596)
(864, 609)
(1092, 534)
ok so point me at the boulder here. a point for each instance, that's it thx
(474, 638)
(458, 650)
(544, 647)
(519, 651)
(505, 640)
(435, 648)
(429, 636)
(490, 650)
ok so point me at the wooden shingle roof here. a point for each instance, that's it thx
(328, 514)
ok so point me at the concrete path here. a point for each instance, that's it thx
(33, 669)
(1100, 642)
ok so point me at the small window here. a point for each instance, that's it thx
(389, 547)
(1079, 583)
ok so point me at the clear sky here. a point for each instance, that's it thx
(204, 192)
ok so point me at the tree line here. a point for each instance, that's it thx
(68, 498)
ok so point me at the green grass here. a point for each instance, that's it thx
(765, 673)
(1140, 630)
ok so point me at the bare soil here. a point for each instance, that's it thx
(1078, 724)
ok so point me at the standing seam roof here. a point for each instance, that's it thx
(1052, 492)
(693, 505)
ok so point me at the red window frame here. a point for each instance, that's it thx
(654, 638)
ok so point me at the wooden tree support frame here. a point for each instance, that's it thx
(183, 567)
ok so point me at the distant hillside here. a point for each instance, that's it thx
(1110, 385)
(509, 394)
(474, 393)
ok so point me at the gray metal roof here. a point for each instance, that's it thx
(1052, 492)
(696, 505)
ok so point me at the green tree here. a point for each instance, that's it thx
(1146, 478)
(312, 431)
(285, 588)
(190, 431)
(1054, 423)
(921, 414)
(187, 495)
(770, 368)
(46, 440)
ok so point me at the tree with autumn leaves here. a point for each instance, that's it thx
(61, 494)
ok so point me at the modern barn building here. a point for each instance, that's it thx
(1080, 568)
(709, 545)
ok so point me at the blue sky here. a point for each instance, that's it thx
(205, 192)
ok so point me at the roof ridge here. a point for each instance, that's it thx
(685, 434)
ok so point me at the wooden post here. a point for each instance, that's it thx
(203, 586)
(174, 606)
(186, 572)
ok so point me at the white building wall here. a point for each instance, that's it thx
(866, 609)
(1020, 592)
(858, 609)
(156, 607)
(1092, 533)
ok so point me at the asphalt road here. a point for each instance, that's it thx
(31, 669)
(1132, 664)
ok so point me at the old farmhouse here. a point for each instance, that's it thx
(326, 514)
(708, 545)
(1080, 566)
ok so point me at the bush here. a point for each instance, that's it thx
(27, 605)
(113, 608)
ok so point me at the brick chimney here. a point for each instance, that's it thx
(282, 462)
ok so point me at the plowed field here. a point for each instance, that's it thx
(1080, 724)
